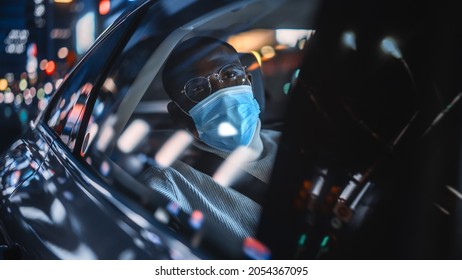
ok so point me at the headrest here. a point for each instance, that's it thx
(253, 67)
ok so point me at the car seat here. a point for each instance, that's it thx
(253, 67)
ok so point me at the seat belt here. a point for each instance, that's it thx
(246, 184)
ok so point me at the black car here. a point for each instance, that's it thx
(363, 93)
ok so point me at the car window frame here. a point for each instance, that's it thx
(106, 36)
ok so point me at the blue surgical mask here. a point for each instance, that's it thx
(227, 118)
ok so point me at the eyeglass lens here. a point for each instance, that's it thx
(199, 88)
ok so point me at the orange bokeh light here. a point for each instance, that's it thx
(50, 67)
(104, 7)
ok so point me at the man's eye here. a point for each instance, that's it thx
(198, 89)
(230, 74)
(197, 86)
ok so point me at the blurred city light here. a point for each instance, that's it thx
(231, 168)
(42, 40)
(63, 52)
(104, 7)
(85, 32)
(256, 250)
(3, 84)
(389, 46)
(226, 129)
(15, 41)
(133, 136)
(50, 67)
(349, 40)
(291, 37)
(173, 148)
(267, 52)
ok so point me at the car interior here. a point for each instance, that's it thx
(347, 101)
(272, 64)
(367, 163)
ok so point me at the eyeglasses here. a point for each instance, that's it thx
(199, 88)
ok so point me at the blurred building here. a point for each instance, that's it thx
(41, 40)
(41, 28)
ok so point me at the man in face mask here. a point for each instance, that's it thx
(211, 93)
(212, 96)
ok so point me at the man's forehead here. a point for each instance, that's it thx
(215, 61)
(222, 56)
(200, 61)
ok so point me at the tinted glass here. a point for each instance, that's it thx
(133, 142)
(68, 106)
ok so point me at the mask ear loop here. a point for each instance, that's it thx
(177, 112)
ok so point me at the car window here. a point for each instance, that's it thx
(354, 153)
(131, 135)
(67, 108)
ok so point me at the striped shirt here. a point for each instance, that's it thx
(231, 214)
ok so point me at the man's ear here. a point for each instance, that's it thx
(177, 114)
(180, 117)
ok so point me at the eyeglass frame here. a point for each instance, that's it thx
(219, 79)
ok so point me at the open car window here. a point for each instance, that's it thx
(130, 132)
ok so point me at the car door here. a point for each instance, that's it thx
(44, 193)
